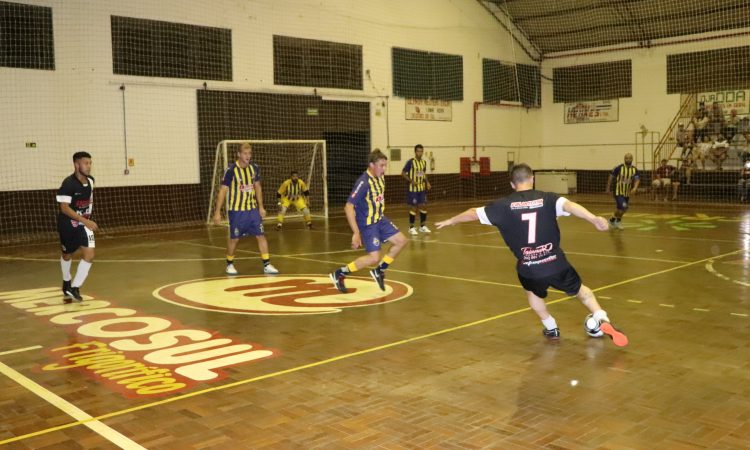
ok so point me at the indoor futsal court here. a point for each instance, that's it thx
(190, 119)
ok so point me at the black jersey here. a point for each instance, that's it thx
(527, 220)
(80, 197)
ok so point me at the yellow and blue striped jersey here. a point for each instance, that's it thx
(368, 198)
(624, 176)
(240, 181)
(291, 189)
(416, 170)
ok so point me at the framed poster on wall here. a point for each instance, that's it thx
(417, 109)
(592, 111)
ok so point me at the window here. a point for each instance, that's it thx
(172, 50)
(427, 75)
(26, 37)
(309, 62)
(500, 82)
(602, 81)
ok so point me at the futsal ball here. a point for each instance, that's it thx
(591, 326)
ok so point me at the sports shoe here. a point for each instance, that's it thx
(279, 227)
(413, 231)
(231, 270)
(269, 269)
(552, 335)
(74, 294)
(309, 225)
(67, 297)
(424, 229)
(618, 337)
(338, 280)
(379, 277)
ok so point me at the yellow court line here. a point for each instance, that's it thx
(342, 357)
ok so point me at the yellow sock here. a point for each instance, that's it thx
(230, 258)
(387, 259)
(352, 267)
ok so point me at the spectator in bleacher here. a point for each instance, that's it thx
(719, 151)
(686, 167)
(716, 121)
(681, 136)
(732, 124)
(699, 121)
(702, 151)
(664, 177)
(743, 184)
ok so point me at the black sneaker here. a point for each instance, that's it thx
(379, 276)
(338, 280)
(75, 295)
(309, 225)
(67, 297)
(552, 335)
(279, 227)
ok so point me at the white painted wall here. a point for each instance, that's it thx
(602, 145)
(79, 106)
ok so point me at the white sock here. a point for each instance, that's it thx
(65, 265)
(549, 323)
(601, 316)
(81, 273)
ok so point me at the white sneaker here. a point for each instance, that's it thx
(424, 229)
(231, 270)
(270, 270)
(413, 231)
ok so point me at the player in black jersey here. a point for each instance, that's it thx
(527, 220)
(74, 224)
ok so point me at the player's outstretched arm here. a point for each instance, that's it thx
(579, 211)
(470, 215)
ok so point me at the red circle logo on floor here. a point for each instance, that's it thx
(278, 295)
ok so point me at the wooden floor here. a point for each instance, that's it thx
(451, 357)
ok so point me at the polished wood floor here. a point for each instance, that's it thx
(458, 363)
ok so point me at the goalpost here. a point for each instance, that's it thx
(277, 159)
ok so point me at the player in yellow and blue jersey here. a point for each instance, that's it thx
(415, 172)
(365, 212)
(244, 208)
(626, 179)
(293, 191)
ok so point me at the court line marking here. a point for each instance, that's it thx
(344, 356)
(339, 263)
(19, 350)
(68, 408)
(598, 255)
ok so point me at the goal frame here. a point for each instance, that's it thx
(221, 157)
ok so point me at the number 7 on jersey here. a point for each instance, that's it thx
(531, 218)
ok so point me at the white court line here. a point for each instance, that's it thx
(73, 411)
(19, 350)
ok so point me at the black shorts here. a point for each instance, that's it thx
(567, 280)
(72, 238)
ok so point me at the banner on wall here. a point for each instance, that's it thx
(728, 100)
(592, 111)
(418, 109)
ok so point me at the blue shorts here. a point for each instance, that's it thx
(245, 223)
(416, 198)
(621, 201)
(376, 234)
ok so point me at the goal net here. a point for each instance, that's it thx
(276, 160)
